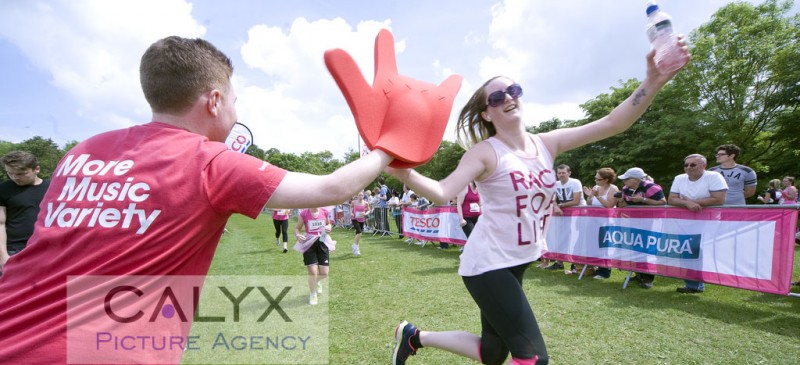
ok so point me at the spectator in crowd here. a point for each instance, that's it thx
(420, 203)
(468, 203)
(637, 189)
(569, 193)
(375, 199)
(315, 244)
(513, 170)
(789, 193)
(405, 201)
(280, 220)
(374, 203)
(741, 179)
(186, 185)
(693, 190)
(773, 193)
(19, 202)
(789, 197)
(604, 195)
(393, 205)
(382, 216)
(359, 210)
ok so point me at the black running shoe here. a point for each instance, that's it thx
(402, 347)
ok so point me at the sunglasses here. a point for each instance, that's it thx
(692, 165)
(721, 154)
(498, 97)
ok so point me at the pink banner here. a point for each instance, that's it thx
(438, 224)
(747, 248)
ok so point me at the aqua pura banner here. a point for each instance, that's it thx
(438, 224)
(747, 248)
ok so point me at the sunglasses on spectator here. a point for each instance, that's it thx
(498, 97)
(721, 154)
(693, 165)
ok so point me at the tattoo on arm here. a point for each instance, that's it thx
(637, 98)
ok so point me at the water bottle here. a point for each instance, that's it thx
(668, 56)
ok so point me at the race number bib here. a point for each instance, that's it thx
(474, 207)
(316, 224)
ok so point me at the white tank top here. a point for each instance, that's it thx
(597, 203)
(516, 201)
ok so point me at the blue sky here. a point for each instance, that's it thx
(70, 68)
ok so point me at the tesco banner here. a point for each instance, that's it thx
(747, 248)
(438, 224)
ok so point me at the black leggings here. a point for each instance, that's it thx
(507, 321)
(281, 227)
(471, 221)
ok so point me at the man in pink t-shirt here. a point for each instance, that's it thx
(150, 200)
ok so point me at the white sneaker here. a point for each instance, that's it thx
(319, 288)
(312, 299)
(277, 241)
(356, 251)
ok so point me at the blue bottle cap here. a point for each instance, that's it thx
(651, 8)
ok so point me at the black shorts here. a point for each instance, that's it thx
(317, 254)
(359, 226)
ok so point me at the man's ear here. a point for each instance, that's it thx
(214, 101)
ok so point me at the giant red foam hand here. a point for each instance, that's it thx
(402, 116)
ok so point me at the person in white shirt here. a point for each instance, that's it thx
(693, 190)
(405, 201)
(569, 193)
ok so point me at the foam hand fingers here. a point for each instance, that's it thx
(402, 116)
(368, 109)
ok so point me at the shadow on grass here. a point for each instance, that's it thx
(436, 271)
(259, 252)
(769, 313)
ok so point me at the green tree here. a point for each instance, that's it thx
(351, 155)
(444, 161)
(287, 161)
(256, 152)
(45, 150)
(744, 79)
(69, 146)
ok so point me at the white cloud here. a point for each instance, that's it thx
(92, 48)
(302, 109)
(563, 53)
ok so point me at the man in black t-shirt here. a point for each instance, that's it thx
(19, 202)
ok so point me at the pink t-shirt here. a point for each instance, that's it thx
(280, 214)
(359, 211)
(148, 200)
(516, 201)
(315, 225)
(471, 206)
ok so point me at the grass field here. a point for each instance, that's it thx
(583, 322)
